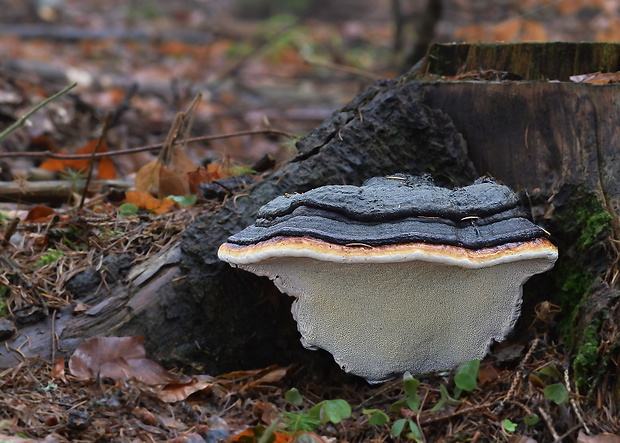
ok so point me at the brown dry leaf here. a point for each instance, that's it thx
(168, 175)
(180, 390)
(205, 175)
(119, 358)
(268, 375)
(58, 370)
(147, 178)
(40, 214)
(173, 176)
(145, 416)
(597, 78)
(599, 438)
(266, 411)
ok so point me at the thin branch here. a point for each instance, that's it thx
(100, 140)
(49, 154)
(22, 121)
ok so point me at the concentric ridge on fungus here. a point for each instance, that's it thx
(429, 276)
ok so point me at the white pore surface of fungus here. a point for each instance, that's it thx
(418, 309)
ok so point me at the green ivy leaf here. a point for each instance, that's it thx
(532, 419)
(378, 417)
(398, 426)
(509, 426)
(294, 397)
(467, 375)
(557, 393)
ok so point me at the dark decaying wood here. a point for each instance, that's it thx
(544, 138)
(196, 310)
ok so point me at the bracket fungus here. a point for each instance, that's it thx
(398, 274)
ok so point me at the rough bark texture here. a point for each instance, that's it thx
(551, 140)
(195, 310)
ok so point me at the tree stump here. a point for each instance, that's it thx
(555, 142)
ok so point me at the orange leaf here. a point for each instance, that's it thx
(40, 214)
(204, 175)
(106, 170)
(58, 370)
(253, 435)
(147, 201)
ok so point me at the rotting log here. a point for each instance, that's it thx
(197, 311)
(552, 141)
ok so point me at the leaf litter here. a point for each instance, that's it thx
(112, 391)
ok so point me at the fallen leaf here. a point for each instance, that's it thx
(40, 214)
(168, 175)
(146, 201)
(106, 169)
(180, 390)
(270, 377)
(598, 438)
(597, 78)
(58, 370)
(119, 358)
(205, 175)
(252, 435)
(145, 416)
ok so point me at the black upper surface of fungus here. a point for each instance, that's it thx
(395, 210)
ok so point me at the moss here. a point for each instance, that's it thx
(585, 220)
(574, 283)
(582, 225)
(586, 363)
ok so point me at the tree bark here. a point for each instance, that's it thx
(196, 310)
(553, 141)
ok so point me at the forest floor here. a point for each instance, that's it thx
(263, 83)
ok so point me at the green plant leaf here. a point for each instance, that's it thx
(509, 426)
(299, 421)
(415, 433)
(378, 417)
(445, 398)
(398, 404)
(127, 210)
(331, 411)
(184, 200)
(413, 402)
(550, 371)
(557, 393)
(532, 419)
(294, 397)
(398, 426)
(467, 375)
(411, 385)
